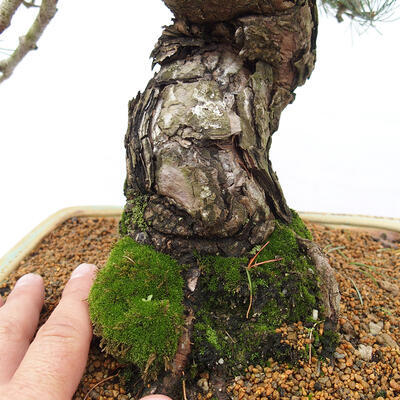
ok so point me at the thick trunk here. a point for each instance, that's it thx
(200, 181)
(199, 136)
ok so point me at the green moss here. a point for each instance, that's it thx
(283, 291)
(226, 270)
(133, 215)
(136, 306)
(212, 337)
(140, 292)
(299, 227)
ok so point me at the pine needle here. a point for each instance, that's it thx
(99, 383)
(252, 265)
(343, 255)
(251, 293)
(357, 291)
(129, 259)
(335, 249)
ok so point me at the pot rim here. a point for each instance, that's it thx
(10, 261)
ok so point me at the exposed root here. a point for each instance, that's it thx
(176, 369)
(330, 294)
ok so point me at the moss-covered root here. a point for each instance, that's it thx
(280, 292)
(298, 226)
(229, 319)
(136, 306)
(329, 288)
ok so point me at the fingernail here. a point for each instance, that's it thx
(82, 270)
(28, 279)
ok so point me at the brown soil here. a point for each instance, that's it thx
(366, 365)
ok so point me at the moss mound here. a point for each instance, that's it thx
(298, 226)
(136, 303)
(284, 291)
(136, 306)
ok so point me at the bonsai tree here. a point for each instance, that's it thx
(211, 259)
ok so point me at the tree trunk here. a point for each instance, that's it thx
(199, 178)
(199, 136)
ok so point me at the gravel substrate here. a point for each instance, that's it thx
(367, 362)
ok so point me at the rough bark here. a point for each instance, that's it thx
(329, 287)
(200, 11)
(199, 136)
(199, 177)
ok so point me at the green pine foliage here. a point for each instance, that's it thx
(364, 12)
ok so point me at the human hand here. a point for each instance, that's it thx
(50, 367)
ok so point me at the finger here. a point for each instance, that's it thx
(19, 317)
(1, 301)
(56, 359)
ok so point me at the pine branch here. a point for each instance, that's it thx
(29, 42)
(362, 11)
(7, 10)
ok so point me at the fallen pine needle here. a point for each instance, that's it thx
(258, 252)
(230, 337)
(251, 293)
(367, 273)
(335, 249)
(370, 267)
(357, 291)
(343, 255)
(99, 383)
(386, 249)
(266, 262)
(130, 259)
(252, 265)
